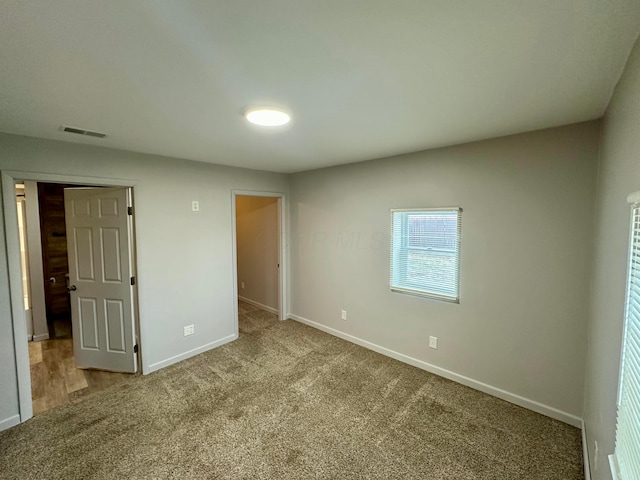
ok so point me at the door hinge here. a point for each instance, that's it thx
(133, 280)
(129, 210)
(135, 348)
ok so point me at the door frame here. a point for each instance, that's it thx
(283, 297)
(21, 350)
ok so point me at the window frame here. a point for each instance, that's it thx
(419, 291)
(618, 460)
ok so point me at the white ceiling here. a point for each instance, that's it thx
(363, 78)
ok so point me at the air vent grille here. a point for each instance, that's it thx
(82, 131)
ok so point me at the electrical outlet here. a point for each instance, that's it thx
(242, 285)
(344, 315)
(195, 206)
(189, 330)
(433, 342)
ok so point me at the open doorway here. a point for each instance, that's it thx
(55, 265)
(258, 241)
(77, 263)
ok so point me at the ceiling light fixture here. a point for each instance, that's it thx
(267, 116)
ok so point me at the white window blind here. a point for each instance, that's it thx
(425, 252)
(625, 461)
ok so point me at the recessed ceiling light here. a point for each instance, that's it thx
(267, 116)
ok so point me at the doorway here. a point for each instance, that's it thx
(259, 256)
(55, 265)
(48, 365)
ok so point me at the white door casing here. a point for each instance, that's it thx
(100, 268)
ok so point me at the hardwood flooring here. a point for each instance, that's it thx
(55, 379)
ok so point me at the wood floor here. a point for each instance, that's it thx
(55, 379)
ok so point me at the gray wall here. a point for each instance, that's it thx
(525, 258)
(619, 175)
(258, 252)
(185, 266)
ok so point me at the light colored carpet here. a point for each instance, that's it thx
(285, 401)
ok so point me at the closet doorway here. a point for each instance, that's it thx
(259, 253)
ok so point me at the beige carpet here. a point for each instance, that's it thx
(288, 401)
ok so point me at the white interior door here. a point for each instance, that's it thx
(100, 271)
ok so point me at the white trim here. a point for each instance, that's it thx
(24, 243)
(234, 266)
(634, 197)
(39, 338)
(9, 422)
(18, 319)
(188, 354)
(36, 275)
(258, 304)
(585, 452)
(70, 179)
(469, 382)
(427, 209)
(613, 465)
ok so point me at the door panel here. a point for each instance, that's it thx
(98, 229)
(83, 249)
(111, 261)
(108, 207)
(88, 322)
(114, 313)
(81, 208)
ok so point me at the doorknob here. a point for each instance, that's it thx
(72, 288)
(53, 280)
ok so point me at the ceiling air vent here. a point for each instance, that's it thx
(82, 131)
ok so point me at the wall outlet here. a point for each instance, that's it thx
(344, 315)
(189, 330)
(195, 206)
(433, 342)
(242, 285)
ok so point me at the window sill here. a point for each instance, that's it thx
(432, 296)
(613, 464)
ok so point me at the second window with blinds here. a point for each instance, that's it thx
(625, 462)
(425, 252)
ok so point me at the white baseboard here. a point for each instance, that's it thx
(9, 422)
(259, 305)
(39, 338)
(585, 452)
(191, 353)
(469, 382)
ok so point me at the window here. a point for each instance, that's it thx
(625, 462)
(425, 252)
